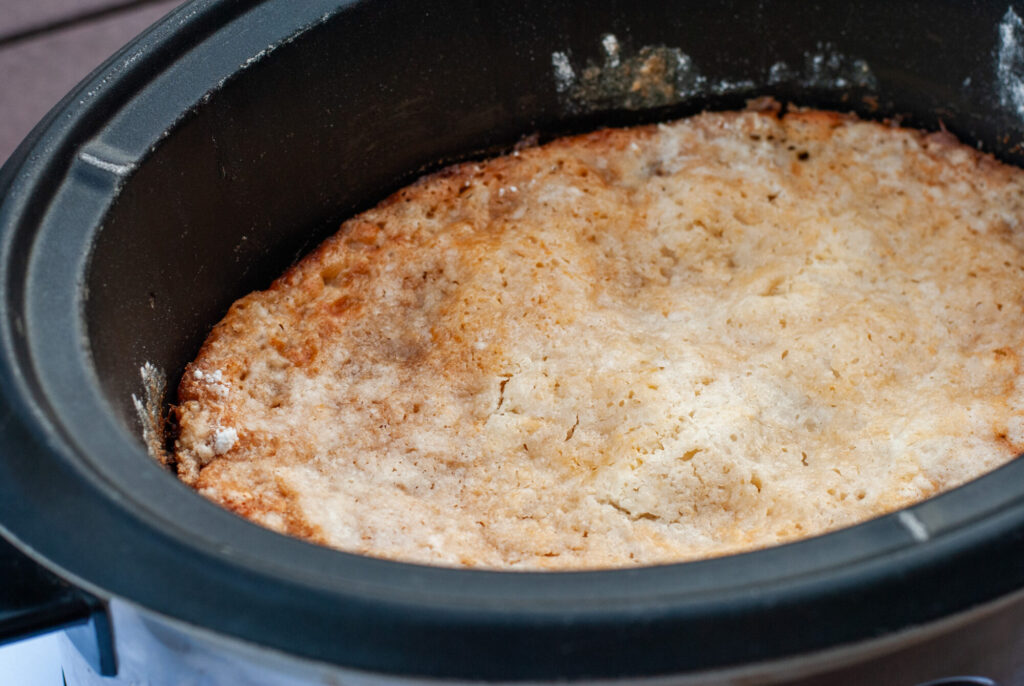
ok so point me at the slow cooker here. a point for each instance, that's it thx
(206, 156)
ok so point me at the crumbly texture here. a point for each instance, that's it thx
(630, 347)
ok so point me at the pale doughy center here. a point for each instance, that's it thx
(627, 348)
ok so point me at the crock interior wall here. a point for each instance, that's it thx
(354, 108)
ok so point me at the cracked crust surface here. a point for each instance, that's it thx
(630, 347)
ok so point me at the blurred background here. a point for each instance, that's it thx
(46, 47)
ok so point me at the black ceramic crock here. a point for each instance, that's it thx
(206, 156)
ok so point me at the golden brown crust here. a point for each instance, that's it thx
(627, 347)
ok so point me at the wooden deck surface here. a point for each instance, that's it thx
(47, 46)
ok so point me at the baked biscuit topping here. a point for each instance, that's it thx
(630, 347)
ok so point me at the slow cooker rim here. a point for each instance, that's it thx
(963, 525)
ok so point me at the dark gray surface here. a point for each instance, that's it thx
(46, 47)
(280, 111)
(409, 86)
(35, 73)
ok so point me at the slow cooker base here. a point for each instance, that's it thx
(981, 647)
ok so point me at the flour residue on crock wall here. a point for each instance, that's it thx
(149, 410)
(1010, 63)
(656, 75)
(826, 68)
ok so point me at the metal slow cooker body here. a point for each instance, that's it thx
(233, 136)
